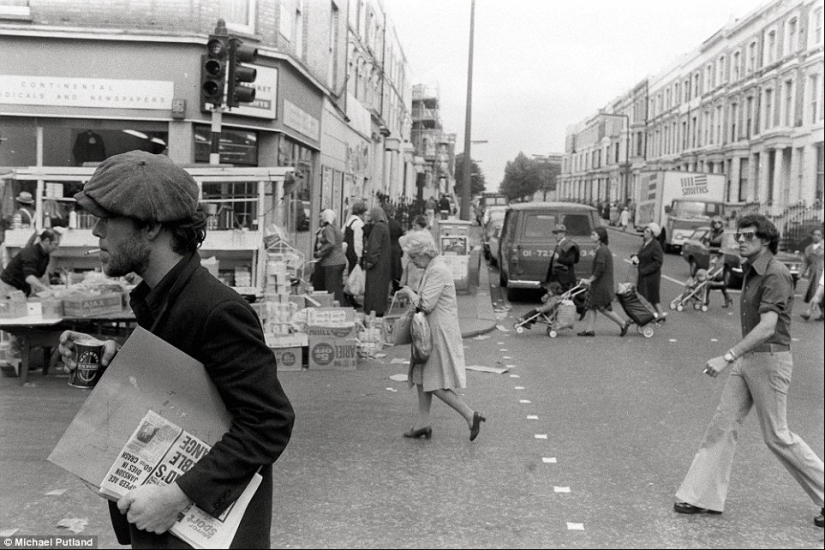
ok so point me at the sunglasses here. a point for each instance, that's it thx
(748, 235)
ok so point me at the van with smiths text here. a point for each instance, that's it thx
(679, 202)
(527, 242)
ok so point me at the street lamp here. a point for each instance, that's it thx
(464, 214)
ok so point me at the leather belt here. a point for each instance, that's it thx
(771, 348)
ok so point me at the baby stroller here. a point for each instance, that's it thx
(697, 289)
(558, 313)
(637, 308)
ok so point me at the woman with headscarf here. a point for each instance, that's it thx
(332, 261)
(443, 373)
(377, 264)
(602, 288)
(649, 260)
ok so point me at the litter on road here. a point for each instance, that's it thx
(479, 368)
(502, 328)
(56, 492)
(481, 337)
(561, 489)
(575, 526)
(532, 417)
(541, 436)
(399, 377)
(75, 525)
(399, 361)
(549, 460)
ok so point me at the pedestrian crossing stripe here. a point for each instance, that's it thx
(519, 387)
(575, 526)
(549, 460)
(532, 417)
(523, 401)
(541, 436)
(561, 489)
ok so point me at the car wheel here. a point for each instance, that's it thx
(694, 267)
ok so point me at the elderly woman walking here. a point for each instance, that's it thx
(411, 274)
(650, 259)
(330, 255)
(602, 288)
(377, 264)
(443, 373)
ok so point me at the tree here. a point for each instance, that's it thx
(522, 177)
(476, 176)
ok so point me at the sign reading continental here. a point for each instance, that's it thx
(104, 93)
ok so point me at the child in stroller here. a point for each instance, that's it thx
(694, 292)
(716, 278)
(550, 300)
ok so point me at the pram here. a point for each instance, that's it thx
(637, 308)
(562, 315)
(697, 293)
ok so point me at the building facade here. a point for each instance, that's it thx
(746, 103)
(80, 82)
(435, 148)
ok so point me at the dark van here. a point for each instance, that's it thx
(527, 241)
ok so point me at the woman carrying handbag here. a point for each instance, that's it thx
(444, 371)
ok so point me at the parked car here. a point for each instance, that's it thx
(494, 243)
(496, 221)
(697, 255)
(527, 243)
(488, 213)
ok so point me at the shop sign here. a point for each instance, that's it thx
(301, 121)
(103, 93)
(266, 95)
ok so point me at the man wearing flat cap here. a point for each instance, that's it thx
(150, 224)
(562, 266)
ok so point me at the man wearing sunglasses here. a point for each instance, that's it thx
(761, 373)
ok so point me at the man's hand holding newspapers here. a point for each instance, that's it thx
(154, 508)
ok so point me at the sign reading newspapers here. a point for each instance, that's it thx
(157, 453)
(106, 93)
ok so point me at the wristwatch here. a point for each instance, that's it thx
(729, 357)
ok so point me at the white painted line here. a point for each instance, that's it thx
(541, 436)
(561, 489)
(714, 339)
(510, 366)
(549, 460)
(56, 492)
(500, 343)
(575, 526)
(519, 387)
(672, 340)
(795, 339)
(506, 357)
(532, 417)
(523, 401)
(671, 279)
(514, 376)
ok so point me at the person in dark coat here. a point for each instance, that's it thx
(563, 262)
(377, 264)
(183, 304)
(602, 293)
(396, 232)
(650, 259)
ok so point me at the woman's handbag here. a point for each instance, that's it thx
(422, 338)
(395, 329)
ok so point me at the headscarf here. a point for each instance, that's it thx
(328, 216)
(377, 215)
(655, 229)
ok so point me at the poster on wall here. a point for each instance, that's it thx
(349, 189)
(326, 188)
(337, 181)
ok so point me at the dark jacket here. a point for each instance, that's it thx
(651, 258)
(378, 264)
(602, 291)
(207, 320)
(32, 260)
(563, 269)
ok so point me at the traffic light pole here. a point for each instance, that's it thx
(215, 150)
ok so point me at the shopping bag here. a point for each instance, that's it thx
(356, 282)
(422, 338)
(395, 325)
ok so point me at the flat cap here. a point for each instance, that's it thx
(560, 228)
(141, 186)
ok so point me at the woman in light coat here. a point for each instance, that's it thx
(411, 274)
(330, 255)
(444, 372)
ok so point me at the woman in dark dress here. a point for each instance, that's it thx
(602, 288)
(377, 264)
(650, 259)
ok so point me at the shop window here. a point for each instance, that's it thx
(239, 15)
(237, 147)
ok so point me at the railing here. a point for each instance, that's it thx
(794, 223)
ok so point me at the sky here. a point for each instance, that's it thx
(543, 65)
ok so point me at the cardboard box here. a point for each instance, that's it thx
(333, 347)
(330, 316)
(92, 305)
(289, 359)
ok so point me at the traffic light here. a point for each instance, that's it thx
(213, 67)
(239, 75)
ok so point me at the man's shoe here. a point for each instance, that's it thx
(819, 520)
(685, 508)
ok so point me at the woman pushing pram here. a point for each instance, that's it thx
(697, 288)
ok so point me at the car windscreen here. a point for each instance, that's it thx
(539, 225)
(695, 209)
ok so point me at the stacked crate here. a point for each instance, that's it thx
(279, 308)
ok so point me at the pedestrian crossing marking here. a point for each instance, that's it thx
(532, 417)
(561, 489)
(575, 526)
(549, 460)
(510, 366)
(506, 357)
(514, 376)
(541, 436)
(524, 401)
(672, 340)
(519, 387)
(504, 350)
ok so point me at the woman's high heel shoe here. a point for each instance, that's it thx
(477, 420)
(426, 433)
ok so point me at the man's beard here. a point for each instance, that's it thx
(131, 257)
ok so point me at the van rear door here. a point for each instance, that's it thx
(534, 245)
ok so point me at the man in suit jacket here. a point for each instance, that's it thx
(183, 304)
(562, 266)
